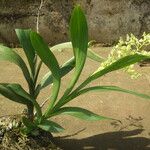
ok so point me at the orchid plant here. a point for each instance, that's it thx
(35, 47)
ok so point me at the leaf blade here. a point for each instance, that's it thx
(79, 113)
(24, 39)
(119, 64)
(67, 45)
(7, 54)
(94, 56)
(111, 88)
(66, 68)
(7, 92)
(50, 126)
(79, 39)
(19, 95)
(50, 61)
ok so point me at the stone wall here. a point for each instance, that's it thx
(107, 19)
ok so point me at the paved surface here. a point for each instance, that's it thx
(132, 134)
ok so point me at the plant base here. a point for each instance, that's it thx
(13, 140)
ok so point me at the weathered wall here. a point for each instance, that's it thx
(108, 19)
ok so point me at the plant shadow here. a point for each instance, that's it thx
(120, 140)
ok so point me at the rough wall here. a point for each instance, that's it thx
(108, 19)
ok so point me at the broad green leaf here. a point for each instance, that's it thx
(6, 91)
(25, 98)
(68, 45)
(79, 39)
(20, 91)
(102, 89)
(66, 68)
(119, 64)
(49, 59)
(7, 54)
(111, 88)
(50, 126)
(24, 39)
(48, 79)
(79, 113)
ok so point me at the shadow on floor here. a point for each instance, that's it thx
(120, 140)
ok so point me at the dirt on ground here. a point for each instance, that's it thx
(132, 133)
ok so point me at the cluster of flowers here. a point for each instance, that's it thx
(130, 46)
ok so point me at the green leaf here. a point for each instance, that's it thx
(68, 45)
(104, 89)
(66, 68)
(24, 39)
(37, 71)
(20, 95)
(91, 54)
(110, 88)
(60, 47)
(79, 113)
(50, 61)
(7, 54)
(50, 126)
(30, 125)
(119, 64)
(21, 92)
(79, 39)
(6, 91)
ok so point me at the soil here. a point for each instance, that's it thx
(14, 140)
(133, 133)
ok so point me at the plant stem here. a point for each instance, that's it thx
(38, 15)
(72, 95)
(30, 112)
(30, 107)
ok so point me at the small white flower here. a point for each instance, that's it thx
(130, 46)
